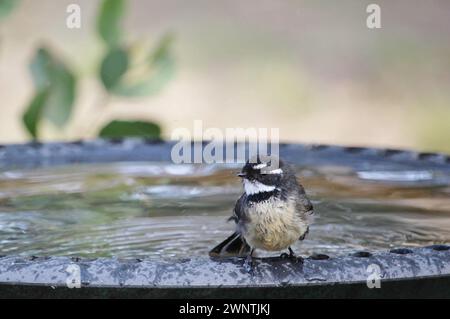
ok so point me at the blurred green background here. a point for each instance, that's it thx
(311, 68)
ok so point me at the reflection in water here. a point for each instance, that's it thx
(156, 210)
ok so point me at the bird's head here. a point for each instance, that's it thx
(262, 174)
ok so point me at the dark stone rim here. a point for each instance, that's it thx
(203, 277)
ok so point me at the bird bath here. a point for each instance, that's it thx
(132, 223)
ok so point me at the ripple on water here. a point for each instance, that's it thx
(157, 210)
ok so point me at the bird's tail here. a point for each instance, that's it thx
(233, 246)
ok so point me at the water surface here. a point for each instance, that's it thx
(163, 210)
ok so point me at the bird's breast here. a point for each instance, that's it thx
(273, 225)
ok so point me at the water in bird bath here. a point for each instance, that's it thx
(159, 210)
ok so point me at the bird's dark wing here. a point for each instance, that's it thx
(304, 205)
(304, 209)
(235, 245)
(239, 210)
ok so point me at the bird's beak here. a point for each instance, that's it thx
(241, 175)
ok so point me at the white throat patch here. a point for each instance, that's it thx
(252, 188)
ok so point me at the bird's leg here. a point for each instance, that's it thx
(248, 264)
(286, 256)
(294, 257)
(291, 252)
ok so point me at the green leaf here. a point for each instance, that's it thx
(32, 115)
(117, 129)
(114, 65)
(108, 21)
(60, 101)
(161, 67)
(53, 77)
(6, 7)
(40, 68)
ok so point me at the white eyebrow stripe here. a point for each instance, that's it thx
(259, 166)
(275, 171)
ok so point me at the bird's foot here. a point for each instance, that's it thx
(292, 256)
(297, 259)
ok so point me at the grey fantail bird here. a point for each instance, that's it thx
(272, 214)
